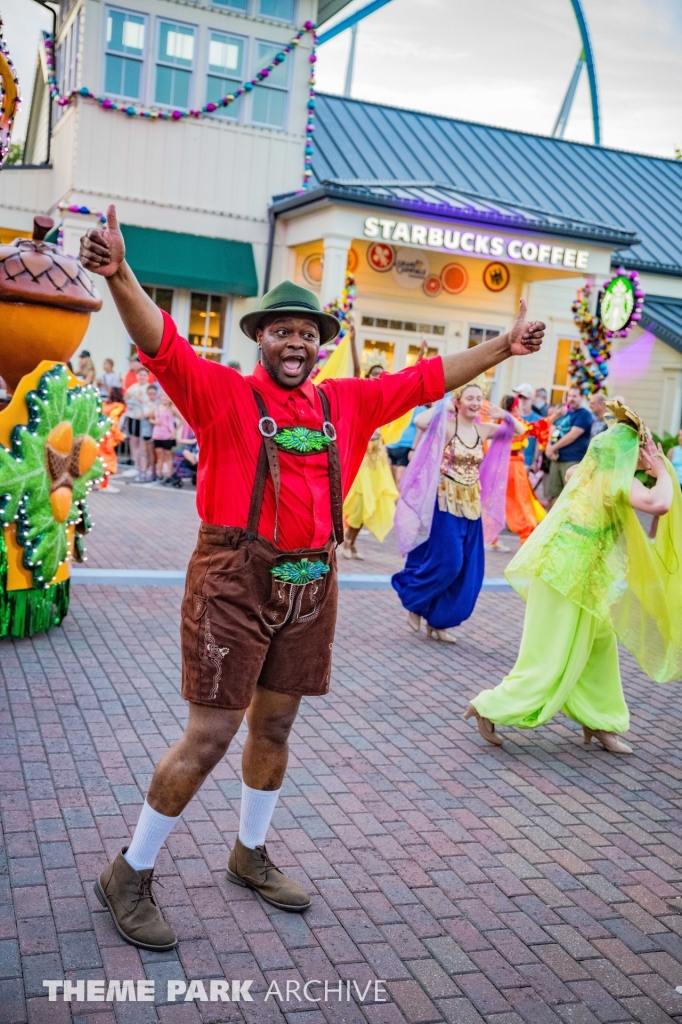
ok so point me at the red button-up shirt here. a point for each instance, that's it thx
(219, 405)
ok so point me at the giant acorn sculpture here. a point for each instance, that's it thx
(49, 431)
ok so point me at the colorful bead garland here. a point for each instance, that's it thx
(588, 370)
(342, 309)
(208, 108)
(74, 208)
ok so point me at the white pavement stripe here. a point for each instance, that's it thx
(176, 578)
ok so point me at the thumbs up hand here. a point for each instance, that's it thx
(525, 336)
(102, 251)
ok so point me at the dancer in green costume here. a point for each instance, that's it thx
(589, 574)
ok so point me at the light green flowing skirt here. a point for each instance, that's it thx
(568, 661)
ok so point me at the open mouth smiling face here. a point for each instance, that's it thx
(289, 347)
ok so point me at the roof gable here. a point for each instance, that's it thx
(355, 140)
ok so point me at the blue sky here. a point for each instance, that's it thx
(502, 62)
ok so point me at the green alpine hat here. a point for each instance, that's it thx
(288, 297)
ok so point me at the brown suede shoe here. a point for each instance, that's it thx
(255, 869)
(128, 895)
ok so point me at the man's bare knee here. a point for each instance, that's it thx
(207, 751)
(270, 730)
(208, 734)
(271, 717)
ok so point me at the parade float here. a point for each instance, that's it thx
(49, 430)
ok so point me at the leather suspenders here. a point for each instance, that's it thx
(268, 460)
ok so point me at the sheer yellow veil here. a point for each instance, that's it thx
(593, 550)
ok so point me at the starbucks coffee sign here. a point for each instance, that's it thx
(474, 243)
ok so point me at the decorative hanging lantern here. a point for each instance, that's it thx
(621, 303)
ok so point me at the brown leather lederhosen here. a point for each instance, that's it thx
(241, 627)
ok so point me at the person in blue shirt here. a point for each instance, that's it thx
(399, 453)
(571, 446)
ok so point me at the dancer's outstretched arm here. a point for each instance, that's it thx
(524, 338)
(103, 252)
(657, 500)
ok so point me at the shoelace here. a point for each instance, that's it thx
(265, 857)
(144, 889)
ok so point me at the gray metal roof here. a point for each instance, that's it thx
(663, 316)
(358, 142)
(428, 197)
(328, 8)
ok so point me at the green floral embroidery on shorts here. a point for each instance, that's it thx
(301, 440)
(300, 573)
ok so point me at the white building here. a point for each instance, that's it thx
(444, 223)
(211, 178)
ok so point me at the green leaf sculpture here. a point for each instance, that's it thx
(26, 483)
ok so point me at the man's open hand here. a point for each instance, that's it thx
(526, 336)
(103, 251)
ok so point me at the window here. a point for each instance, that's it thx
(270, 97)
(206, 317)
(124, 54)
(234, 5)
(225, 58)
(561, 370)
(174, 64)
(379, 353)
(413, 354)
(67, 62)
(403, 325)
(479, 334)
(163, 297)
(281, 9)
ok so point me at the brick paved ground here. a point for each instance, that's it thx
(528, 884)
(154, 527)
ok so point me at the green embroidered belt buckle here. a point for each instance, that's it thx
(298, 440)
(300, 573)
(301, 440)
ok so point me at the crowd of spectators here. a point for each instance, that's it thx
(157, 444)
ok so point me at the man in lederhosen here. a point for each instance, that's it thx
(277, 457)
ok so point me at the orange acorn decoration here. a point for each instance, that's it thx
(87, 453)
(68, 458)
(61, 438)
(46, 299)
(60, 500)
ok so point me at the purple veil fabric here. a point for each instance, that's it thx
(419, 485)
(493, 477)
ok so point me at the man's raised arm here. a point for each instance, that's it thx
(103, 252)
(524, 338)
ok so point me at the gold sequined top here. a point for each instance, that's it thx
(459, 490)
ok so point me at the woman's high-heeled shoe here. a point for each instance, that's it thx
(609, 740)
(485, 726)
(414, 621)
(440, 634)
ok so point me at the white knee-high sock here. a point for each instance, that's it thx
(151, 832)
(258, 806)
